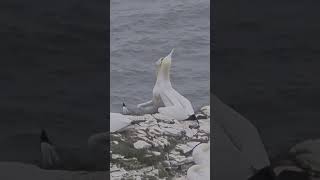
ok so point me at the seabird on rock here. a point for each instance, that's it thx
(167, 100)
(125, 110)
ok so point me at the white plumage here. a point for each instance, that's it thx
(198, 172)
(201, 156)
(167, 100)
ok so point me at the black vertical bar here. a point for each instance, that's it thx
(108, 86)
(212, 59)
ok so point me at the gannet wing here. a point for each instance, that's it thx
(173, 107)
(147, 107)
(185, 103)
(171, 97)
(151, 106)
(118, 122)
(175, 112)
(146, 104)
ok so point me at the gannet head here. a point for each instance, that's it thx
(164, 64)
(166, 61)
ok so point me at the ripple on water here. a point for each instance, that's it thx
(143, 31)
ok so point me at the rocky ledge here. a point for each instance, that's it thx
(157, 147)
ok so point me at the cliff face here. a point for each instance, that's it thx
(157, 146)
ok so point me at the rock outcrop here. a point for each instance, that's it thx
(157, 147)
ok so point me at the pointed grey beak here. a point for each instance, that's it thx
(170, 54)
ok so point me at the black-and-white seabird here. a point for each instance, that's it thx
(125, 109)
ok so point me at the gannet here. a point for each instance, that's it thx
(197, 172)
(201, 156)
(167, 100)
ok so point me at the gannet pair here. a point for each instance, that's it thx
(167, 100)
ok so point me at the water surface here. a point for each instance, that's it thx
(142, 31)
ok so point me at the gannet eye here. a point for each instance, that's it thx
(161, 59)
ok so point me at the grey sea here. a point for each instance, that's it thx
(142, 31)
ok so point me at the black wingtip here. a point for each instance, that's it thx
(192, 117)
(123, 104)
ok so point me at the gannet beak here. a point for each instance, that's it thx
(170, 54)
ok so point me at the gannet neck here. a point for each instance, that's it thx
(163, 76)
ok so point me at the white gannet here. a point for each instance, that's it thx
(197, 172)
(201, 156)
(125, 110)
(118, 122)
(49, 156)
(167, 100)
